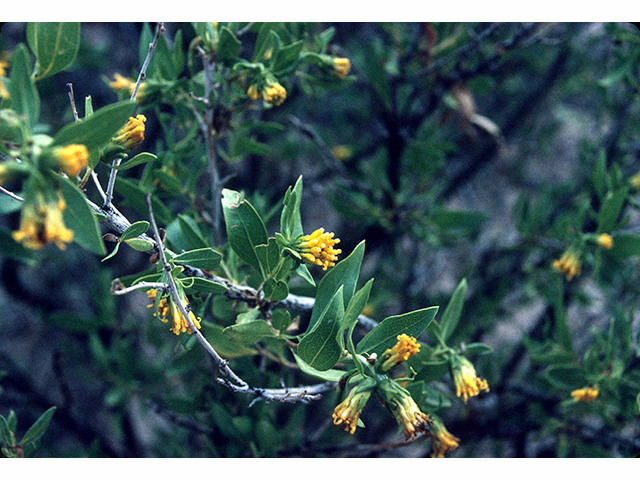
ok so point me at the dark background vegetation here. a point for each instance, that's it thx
(414, 154)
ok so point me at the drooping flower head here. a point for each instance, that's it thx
(586, 395)
(404, 409)
(442, 440)
(568, 264)
(168, 310)
(341, 67)
(41, 223)
(274, 93)
(467, 383)
(72, 159)
(400, 352)
(317, 248)
(132, 134)
(348, 411)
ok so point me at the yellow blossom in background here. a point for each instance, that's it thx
(467, 383)
(586, 395)
(317, 248)
(122, 83)
(274, 94)
(342, 152)
(72, 158)
(341, 67)
(132, 134)
(348, 411)
(568, 264)
(400, 352)
(41, 223)
(442, 440)
(635, 181)
(605, 241)
(168, 310)
(4, 93)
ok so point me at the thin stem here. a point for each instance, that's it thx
(141, 76)
(11, 194)
(73, 101)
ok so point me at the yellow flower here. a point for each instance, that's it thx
(405, 410)
(274, 93)
(400, 352)
(4, 93)
(168, 310)
(253, 93)
(348, 411)
(586, 395)
(41, 223)
(442, 440)
(72, 158)
(635, 181)
(467, 383)
(342, 152)
(317, 248)
(605, 241)
(568, 264)
(122, 83)
(341, 67)
(132, 134)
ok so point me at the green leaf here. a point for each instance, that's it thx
(611, 208)
(452, 313)
(566, 376)
(55, 45)
(356, 305)
(222, 343)
(344, 275)
(96, 130)
(249, 333)
(203, 285)
(320, 347)
(245, 228)
(191, 232)
(431, 371)
(7, 436)
(79, 217)
(477, 348)
(290, 221)
(287, 58)
(163, 60)
(113, 252)
(39, 427)
(139, 244)
(268, 256)
(135, 197)
(139, 159)
(625, 245)
(275, 290)
(385, 334)
(327, 375)
(134, 230)
(228, 46)
(205, 258)
(22, 90)
(281, 319)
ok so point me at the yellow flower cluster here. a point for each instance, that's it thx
(273, 93)
(121, 83)
(348, 411)
(586, 395)
(341, 67)
(317, 248)
(41, 223)
(400, 352)
(4, 93)
(442, 440)
(132, 134)
(413, 420)
(568, 264)
(467, 383)
(72, 158)
(168, 310)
